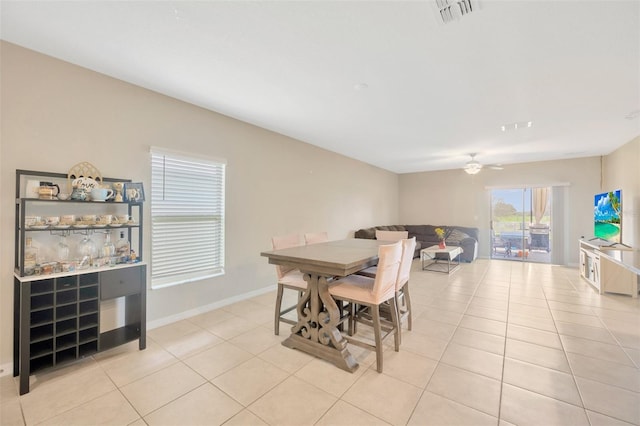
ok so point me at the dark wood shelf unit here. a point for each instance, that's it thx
(57, 317)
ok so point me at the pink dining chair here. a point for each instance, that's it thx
(371, 293)
(287, 278)
(402, 297)
(316, 237)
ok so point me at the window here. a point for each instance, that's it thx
(187, 218)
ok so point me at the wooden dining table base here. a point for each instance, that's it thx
(316, 332)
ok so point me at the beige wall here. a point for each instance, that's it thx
(55, 115)
(453, 197)
(621, 170)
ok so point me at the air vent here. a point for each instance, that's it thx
(451, 10)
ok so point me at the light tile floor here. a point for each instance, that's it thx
(494, 343)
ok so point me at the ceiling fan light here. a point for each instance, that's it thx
(473, 167)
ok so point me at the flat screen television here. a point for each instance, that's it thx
(607, 216)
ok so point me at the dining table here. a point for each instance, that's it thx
(316, 331)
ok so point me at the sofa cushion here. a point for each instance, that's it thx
(456, 236)
(418, 229)
(471, 232)
(368, 233)
(391, 235)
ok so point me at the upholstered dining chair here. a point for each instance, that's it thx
(371, 293)
(402, 297)
(289, 278)
(316, 237)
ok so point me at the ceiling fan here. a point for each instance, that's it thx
(473, 166)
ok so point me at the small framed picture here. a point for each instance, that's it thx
(133, 192)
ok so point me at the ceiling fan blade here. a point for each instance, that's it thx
(495, 166)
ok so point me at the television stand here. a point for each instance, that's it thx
(613, 268)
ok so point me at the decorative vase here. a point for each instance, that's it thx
(442, 244)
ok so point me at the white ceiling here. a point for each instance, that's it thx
(436, 92)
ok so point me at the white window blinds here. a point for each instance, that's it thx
(187, 218)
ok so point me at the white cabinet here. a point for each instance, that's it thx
(610, 268)
(590, 265)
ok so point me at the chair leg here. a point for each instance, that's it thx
(407, 302)
(276, 324)
(352, 319)
(397, 304)
(375, 316)
(396, 324)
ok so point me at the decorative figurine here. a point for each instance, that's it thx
(118, 187)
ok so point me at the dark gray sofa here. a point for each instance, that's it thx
(462, 236)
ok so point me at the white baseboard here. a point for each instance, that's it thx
(6, 369)
(203, 309)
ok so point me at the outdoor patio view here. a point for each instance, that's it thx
(521, 224)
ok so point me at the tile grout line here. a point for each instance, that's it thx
(476, 286)
(504, 354)
(573, 375)
(565, 356)
(424, 389)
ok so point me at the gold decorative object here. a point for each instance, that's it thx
(83, 170)
(118, 187)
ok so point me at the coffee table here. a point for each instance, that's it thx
(440, 263)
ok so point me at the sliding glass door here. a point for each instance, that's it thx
(521, 224)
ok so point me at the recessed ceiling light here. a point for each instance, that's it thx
(516, 126)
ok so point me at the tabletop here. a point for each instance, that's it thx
(451, 250)
(332, 258)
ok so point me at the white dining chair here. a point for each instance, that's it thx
(289, 278)
(402, 296)
(371, 293)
